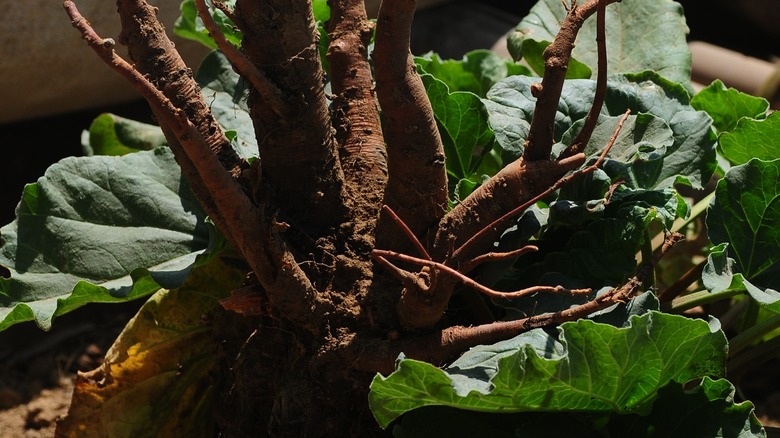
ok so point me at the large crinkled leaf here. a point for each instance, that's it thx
(602, 252)
(463, 120)
(99, 229)
(639, 152)
(110, 134)
(155, 380)
(533, 55)
(590, 368)
(476, 72)
(705, 410)
(590, 240)
(606, 234)
(642, 35)
(752, 138)
(727, 106)
(689, 159)
(226, 93)
(745, 214)
(620, 314)
(721, 275)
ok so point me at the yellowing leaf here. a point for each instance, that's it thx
(155, 380)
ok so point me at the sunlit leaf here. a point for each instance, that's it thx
(752, 138)
(727, 106)
(190, 26)
(689, 159)
(707, 410)
(589, 368)
(110, 134)
(533, 54)
(642, 35)
(476, 72)
(463, 119)
(99, 229)
(745, 213)
(226, 95)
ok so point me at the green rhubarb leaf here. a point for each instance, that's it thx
(590, 368)
(99, 229)
(321, 10)
(727, 106)
(689, 159)
(637, 156)
(464, 126)
(620, 314)
(603, 251)
(156, 380)
(110, 134)
(226, 93)
(745, 213)
(642, 35)
(720, 274)
(602, 248)
(705, 410)
(593, 239)
(752, 138)
(190, 26)
(476, 72)
(533, 54)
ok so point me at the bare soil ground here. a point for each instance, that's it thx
(37, 368)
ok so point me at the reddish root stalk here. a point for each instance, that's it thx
(409, 234)
(557, 56)
(224, 199)
(441, 346)
(601, 86)
(417, 181)
(385, 254)
(489, 232)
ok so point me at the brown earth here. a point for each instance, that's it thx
(37, 368)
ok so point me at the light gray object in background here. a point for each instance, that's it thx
(46, 68)
(745, 73)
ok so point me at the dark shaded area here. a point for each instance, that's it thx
(31, 146)
(31, 359)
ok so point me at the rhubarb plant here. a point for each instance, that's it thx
(336, 237)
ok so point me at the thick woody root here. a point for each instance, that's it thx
(417, 184)
(249, 229)
(155, 56)
(472, 227)
(296, 141)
